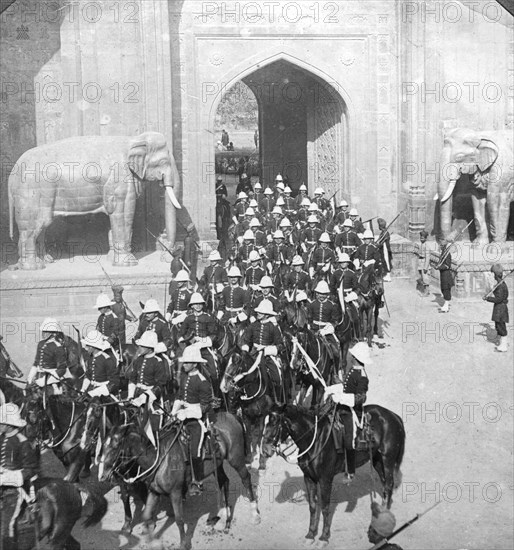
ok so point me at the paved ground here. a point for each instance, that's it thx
(455, 394)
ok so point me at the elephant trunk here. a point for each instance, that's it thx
(170, 211)
(448, 177)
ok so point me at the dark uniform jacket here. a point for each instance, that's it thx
(200, 325)
(179, 301)
(260, 297)
(50, 354)
(300, 280)
(263, 334)
(266, 205)
(299, 199)
(368, 252)
(341, 216)
(320, 313)
(240, 209)
(109, 324)
(347, 241)
(243, 252)
(322, 257)
(289, 207)
(349, 281)
(280, 253)
(445, 271)
(195, 388)
(16, 453)
(310, 236)
(260, 238)
(241, 228)
(214, 275)
(385, 238)
(357, 382)
(500, 301)
(102, 368)
(358, 226)
(158, 325)
(149, 371)
(233, 298)
(121, 312)
(253, 275)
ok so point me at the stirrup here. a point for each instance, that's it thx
(347, 478)
(195, 488)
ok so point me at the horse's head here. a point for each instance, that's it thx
(275, 431)
(295, 315)
(119, 450)
(234, 367)
(38, 423)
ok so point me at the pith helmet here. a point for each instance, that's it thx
(285, 223)
(276, 210)
(280, 185)
(254, 256)
(250, 212)
(303, 187)
(255, 222)
(343, 257)
(151, 306)
(368, 234)
(305, 202)
(278, 234)
(313, 207)
(268, 191)
(265, 307)
(322, 288)
(96, 340)
(288, 189)
(324, 238)
(353, 212)
(297, 260)
(215, 256)
(192, 354)
(196, 298)
(361, 352)
(242, 195)
(248, 235)
(266, 282)
(257, 185)
(50, 325)
(148, 339)
(301, 296)
(182, 276)
(10, 415)
(343, 203)
(103, 301)
(160, 348)
(234, 272)
(347, 223)
(253, 204)
(280, 201)
(279, 178)
(318, 191)
(312, 219)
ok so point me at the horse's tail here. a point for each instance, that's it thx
(95, 505)
(399, 457)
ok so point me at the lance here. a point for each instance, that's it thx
(379, 240)
(385, 541)
(125, 305)
(168, 250)
(81, 358)
(448, 247)
(499, 283)
(369, 220)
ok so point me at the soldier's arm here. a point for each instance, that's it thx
(28, 459)
(205, 395)
(112, 375)
(60, 360)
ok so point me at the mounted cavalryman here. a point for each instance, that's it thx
(179, 300)
(108, 323)
(298, 278)
(214, 273)
(255, 271)
(50, 362)
(347, 241)
(368, 250)
(351, 392)
(322, 258)
(153, 320)
(289, 203)
(101, 372)
(233, 299)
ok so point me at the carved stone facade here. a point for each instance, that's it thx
(397, 77)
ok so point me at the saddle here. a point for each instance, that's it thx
(363, 436)
(209, 442)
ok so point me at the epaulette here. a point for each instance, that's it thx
(200, 375)
(21, 437)
(104, 354)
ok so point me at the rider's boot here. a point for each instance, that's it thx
(350, 466)
(338, 435)
(197, 475)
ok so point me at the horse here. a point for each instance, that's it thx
(320, 462)
(316, 349)
(58, 506)
(165, 467)
(9, 372)
(370, 291)
(254, 395)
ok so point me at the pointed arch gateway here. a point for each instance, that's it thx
(304, 124)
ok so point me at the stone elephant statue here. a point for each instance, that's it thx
(88, 175)
(488, 158)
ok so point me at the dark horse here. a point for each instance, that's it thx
(370, 292)
(320, 462)
(295, 326)
(9, 371)
(165, 467)
(58, 507)
(255, 396)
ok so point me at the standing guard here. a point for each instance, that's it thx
(347, 241)
(101, 372)
(445, 271)
(500, 308)
(152, 320)
(18, 466)
(108, 323)
(199, 329)
(384, 246)
(323, 316)
(422, 251)
(223, 222)
(50, 362)
(352, 393)
(179, 300)
(194, 403)
(221, 188)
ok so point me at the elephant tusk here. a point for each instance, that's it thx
(449, 191)
(172, 197)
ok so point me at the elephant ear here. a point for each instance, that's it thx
(487, 154)
(137, 156)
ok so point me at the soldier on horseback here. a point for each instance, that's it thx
(266, 288)
(243, 252)
(193, 404)
(311, 234)
(255, 272)
(214, 273)
(108, 323)
(101, 372)
(199, 330)
(323, 315)
(260, 236)
(351, 392)
(302, 195)
(152, 320)
(357, 225)
(348, 240)
(298, 278)
(289, 203)
(322, 258)
(265, 337)
(50, 362)
(368, 250)
(18, 466)
(346, 278)
(266, 203)
(179, 300)
(233, 299)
